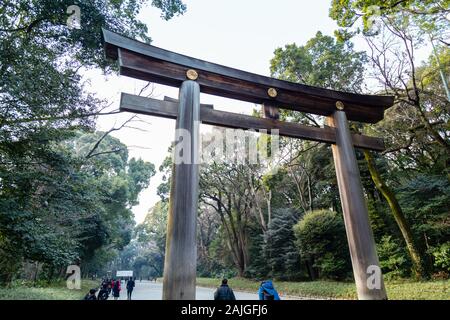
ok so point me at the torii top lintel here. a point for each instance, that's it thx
(143, 61)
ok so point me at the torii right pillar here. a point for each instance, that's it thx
(366, 267)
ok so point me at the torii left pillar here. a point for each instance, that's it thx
(180, 266)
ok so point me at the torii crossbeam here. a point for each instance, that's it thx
(147, 62)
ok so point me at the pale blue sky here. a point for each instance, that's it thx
(240, 34)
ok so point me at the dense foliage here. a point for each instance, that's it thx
(322, 244)
(69, 207)
(65, 191)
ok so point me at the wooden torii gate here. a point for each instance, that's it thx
(149, 63)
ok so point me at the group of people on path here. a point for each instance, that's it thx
(266, 291)
(109, 286)
(224, 292)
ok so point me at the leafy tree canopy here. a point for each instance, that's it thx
(355, 16)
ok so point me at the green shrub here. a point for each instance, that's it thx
(441, 256)
(393, 258)
(322, 242)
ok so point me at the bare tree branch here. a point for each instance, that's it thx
(96, 145)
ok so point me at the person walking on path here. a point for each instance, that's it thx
(267, 291)
(130, 287)
(91, 295)
(103, 293)
(111, 286)
(224, 292)
(116, 289)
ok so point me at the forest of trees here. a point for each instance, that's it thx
(66, 190)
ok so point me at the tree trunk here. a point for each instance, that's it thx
(36, 271)
(309, 193)
(415, 252)
(310, 270)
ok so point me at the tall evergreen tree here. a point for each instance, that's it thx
(280, 251)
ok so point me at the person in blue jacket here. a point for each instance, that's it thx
(267, 291)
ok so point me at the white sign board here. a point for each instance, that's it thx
(124, 273)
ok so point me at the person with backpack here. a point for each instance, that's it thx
(224, 292)
(116, 289)
(267, 291)
(90, 295)
(130, 287)
(103, 293)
